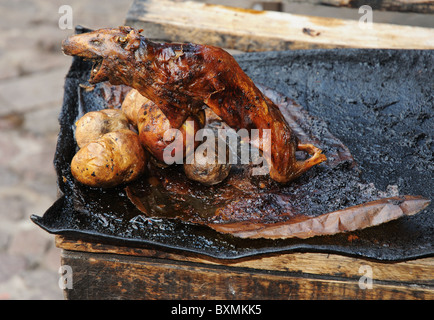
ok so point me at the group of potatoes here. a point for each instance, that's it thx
(116, 144)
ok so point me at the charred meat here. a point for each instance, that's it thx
(181, 78)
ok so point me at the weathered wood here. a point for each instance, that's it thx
(106, 276)
(418, 271)
(416, 6)
(251, 30)
(109, 276)
(399, 280)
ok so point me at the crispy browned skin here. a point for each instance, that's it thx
(181, 78)
(151, 123)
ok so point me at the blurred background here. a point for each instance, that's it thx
(32, 71)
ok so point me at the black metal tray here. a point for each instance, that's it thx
(378, 102)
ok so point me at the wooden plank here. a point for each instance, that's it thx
(107, 276)
(251, 30)
(414, 6)
(418, 271)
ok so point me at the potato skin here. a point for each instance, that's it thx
(95, 124)
(207, 173)
(115, 158)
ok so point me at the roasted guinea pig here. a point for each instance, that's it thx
(181, 78)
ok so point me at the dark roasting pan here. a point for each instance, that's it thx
(379, 103)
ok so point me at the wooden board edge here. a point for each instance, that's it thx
(244, 30)
(417, 271)
(107, 276)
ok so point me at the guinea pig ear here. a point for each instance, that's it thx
(133, 40)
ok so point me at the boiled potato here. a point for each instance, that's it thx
(206, 169)
(95, 124)
(115, 158)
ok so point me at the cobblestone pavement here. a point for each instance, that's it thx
(32, 71)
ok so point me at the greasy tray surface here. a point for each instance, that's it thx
(377, 102)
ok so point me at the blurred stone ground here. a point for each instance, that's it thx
(32, 71)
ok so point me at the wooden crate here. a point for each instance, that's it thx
(101, 271)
